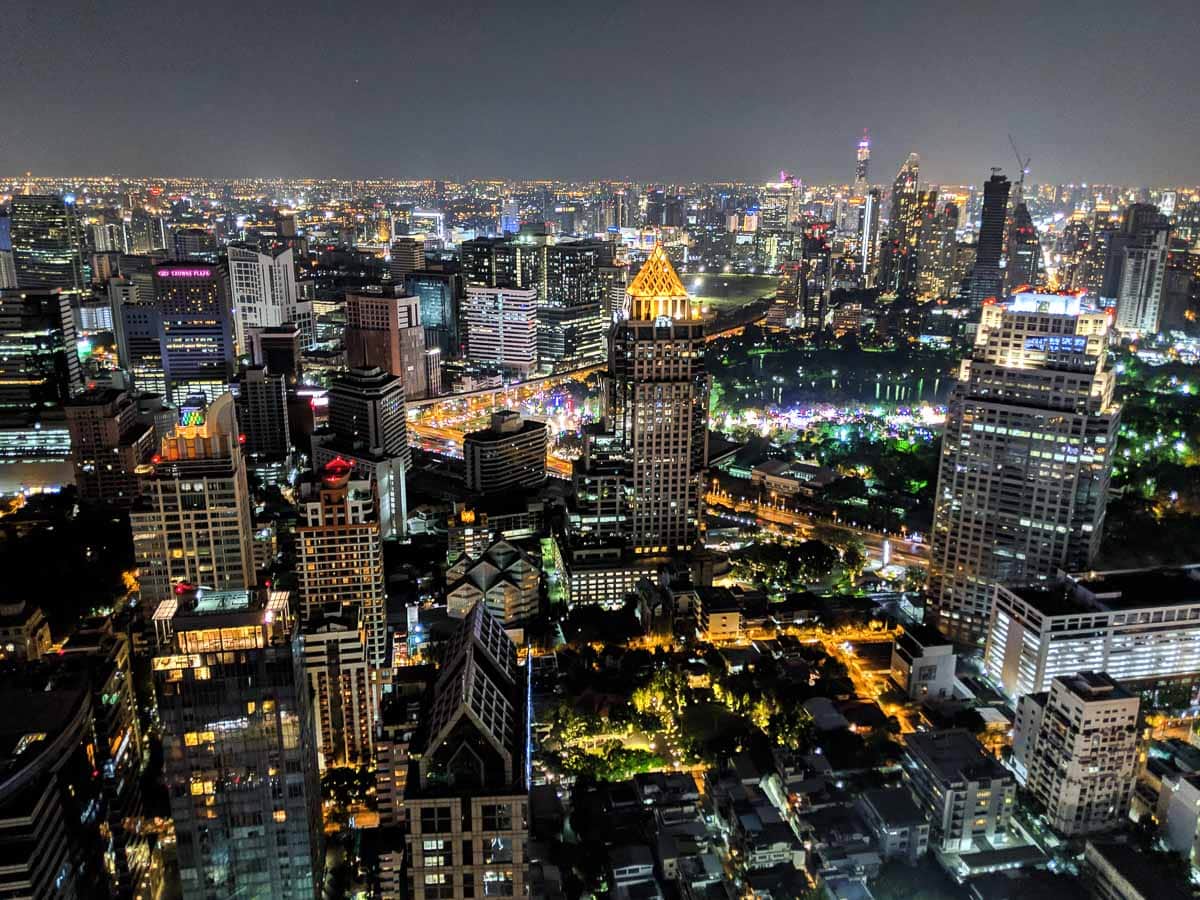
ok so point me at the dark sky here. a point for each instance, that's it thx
(1105, 90)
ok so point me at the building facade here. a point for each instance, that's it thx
(508, 455)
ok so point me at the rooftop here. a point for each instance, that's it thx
(1114, 591)
(894, 806)
(954, 755)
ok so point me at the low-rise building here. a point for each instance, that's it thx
(24, 631)
(899, 827)
(504, 577)
(923, 664)
(720, 615)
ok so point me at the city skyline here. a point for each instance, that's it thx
(709, 104)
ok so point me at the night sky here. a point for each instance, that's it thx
(1100, 91)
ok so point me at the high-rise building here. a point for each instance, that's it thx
(40, 365)
(278, 348)
(383, 330)
(110, 442)
(192, 523)
(407, 256)
(862, 164)
(263, 417)
(265, 294)
(1026, 457)
(938, 249)
(197, 244)
(509, 454)
(467, 796)
(339, 554)
(868, 236)
(987, 279)
(8, 270)
(438, 293)
(571, 318)
(1143, 265)
(240, 754)
(500, 263)
(47, 243)
(1024, 251)
(345, 708)
(897, 254)
(197, 325)
(1075, 749)
(368, 426)
(502, 327)
(655, 408)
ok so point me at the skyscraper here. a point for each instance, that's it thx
(1024, 251)
(502, 328)
(265, 294)
(467, 796)
(339, 555)
(368, 426)
(345, 706)
(110, 442)
(987, 280)
(1140, 249)
(1026, 457)
(240, 754)
(438, 293)
(570, 317)
(407, 255)
(655, 402)
(262, 415)
(47, 243)
(898, 253)
(40, 365)
(868, 236)
(198, 331)
(192, 523)
(383, 330)
(861, 165)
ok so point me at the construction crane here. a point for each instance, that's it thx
(1024, 166)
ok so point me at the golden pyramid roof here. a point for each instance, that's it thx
(657, 291)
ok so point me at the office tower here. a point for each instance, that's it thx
(52, 844)
(384, 331)
(1143, 271)
(192, 523)
(339, 555)
(967, 794)
(407, 256)
(195, 244)
(508, 455)
(240, 756)
(501, 325)
(570, 318)
(111, 237)
(198, 350)
(438, 293)
(110, 442)
(1075, 749)
(1026, 457)
(935, 267)
(278, 349)
(500, 263)
(862, 164)
(262, 415)
(897, 254)
(149, 232)
(368, 426)
(8, 271)
(510, 218)
(265, 294)
(47, 243)
(467, 797)
(1024, 251)
(339, 673)
(40, 365)
(929, 242)
(655, 406)
(504, 578)
(987, 280)
(779, 204)
(1096, 620)
(868, 236)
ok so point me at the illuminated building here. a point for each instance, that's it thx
(987, 280)
(508, 455)
(1140, 626)
(344, 698)
(1075, 749)
(240, 753)
(265, 294)
(500, 263)
(862, 164)
(935, 246)
(198, 244)
(383, 330)
(1143, 264)
(368, 427)
(263, 416)
(897, 254)
(868, 236)
(503, 577)
(192, 523)
(502, 327)
(278, 349)
(47, 243)
(197, 323)
(642, 469)
(24, 632)
(407, 255)
(8, 270)
(438, 295)
(570, 315)
(41, 364)
(110, 441)
(467, 790)
(339, 555)
(1024, 251)
(1026, 457)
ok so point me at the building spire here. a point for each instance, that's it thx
(657, 291)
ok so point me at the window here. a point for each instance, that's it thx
(435, 819)
(496, 817)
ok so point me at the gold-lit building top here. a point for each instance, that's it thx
(656, 290)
